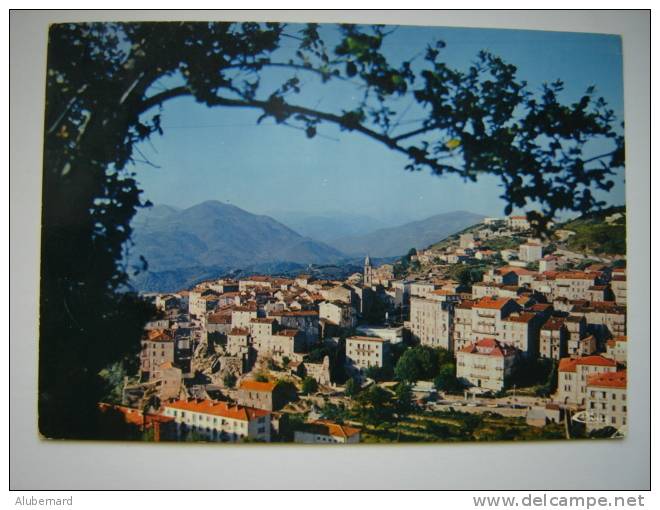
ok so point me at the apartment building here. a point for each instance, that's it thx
(218, 421)
(486, 363)
(363, 352)
(573, 374)
(607, 404)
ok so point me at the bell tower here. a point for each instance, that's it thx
(368, 272)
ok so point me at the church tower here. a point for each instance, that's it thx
(368, 273)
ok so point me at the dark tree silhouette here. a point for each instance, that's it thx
(106, 84)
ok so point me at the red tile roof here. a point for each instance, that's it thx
(491, 303)
(553, 323)
(570, 364)
(262, 320)
(294, 313)
(287, 332)
(216, 408)
(520, 271)
(608, 380)
(252, 385)
(490, 347)
(574, 275)
(521, 317)
(158, 335)
(218, 318)
(330, 428)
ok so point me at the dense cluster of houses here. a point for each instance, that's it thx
(201, 356)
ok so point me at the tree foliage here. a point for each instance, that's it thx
(106, 86)
(309, 386)
(421, 363)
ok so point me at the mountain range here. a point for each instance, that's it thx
(396, 241)
(183, 246)
(328, 226)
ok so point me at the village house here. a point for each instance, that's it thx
(342, 293)
(619, 289)
(169, 379)
(262, 326)
(573, 373)
(548, 263)
(422, 288)
(617, 349)
(606, 404)
(320, 372)
(531, 251)
(157, 324)
(579, 343)
(431, 319)
(199, 303)
(283, 343)
(338, 313)
(463, 324)
(262, 395)
(605, 319)
(242, 315)
(517, 223)
(488, 314)
(218, 421)
(572, 285)
(238, 341)
(521, 330)
(326, 432)
(218, 323)
(553, 338)
(598, 293)
(157, 348)
(306, 321)
(363, 352)
(486, 363)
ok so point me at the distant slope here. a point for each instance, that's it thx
(594, 235)
(326, 227)
(214, 237)
(395, 241)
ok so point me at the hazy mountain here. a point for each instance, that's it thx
(396, 241)
(212, 237)
(328, 226)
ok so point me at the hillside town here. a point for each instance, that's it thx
(490, 334)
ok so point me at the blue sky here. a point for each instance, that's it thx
(222, 154)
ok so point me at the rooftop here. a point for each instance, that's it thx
(570, 364)
(216, 408)
(608, 380)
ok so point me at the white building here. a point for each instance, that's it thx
(619, 288)
(431, 319)
(607, 404)
(326, 432)
(363, 352)
(573, 374)
(617, 349)
(338, 313)
(530, 251)
(486, 363)
(517, 222)
(218, 421)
